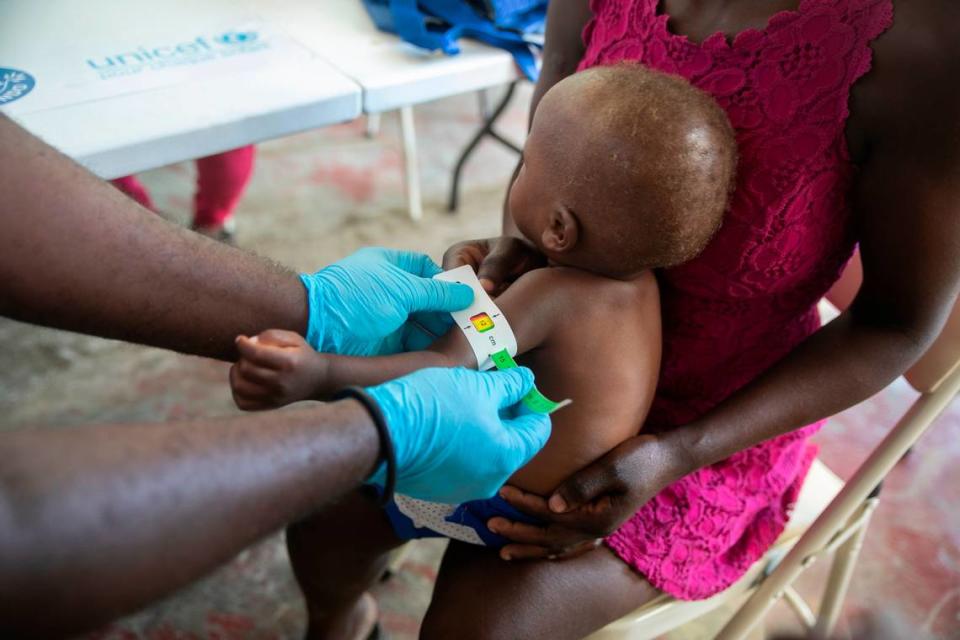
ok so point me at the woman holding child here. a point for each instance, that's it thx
(846, 119)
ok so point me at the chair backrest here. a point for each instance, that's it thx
(935, 375)
(941, 358)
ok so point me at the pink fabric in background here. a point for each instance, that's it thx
(221, 181)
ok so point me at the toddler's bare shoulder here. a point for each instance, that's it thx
(586, 284)
(587, 291)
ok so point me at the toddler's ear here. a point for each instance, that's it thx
(562, 231)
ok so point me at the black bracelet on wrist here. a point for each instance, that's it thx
(387, 453)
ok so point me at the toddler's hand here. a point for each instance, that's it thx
(275, 368)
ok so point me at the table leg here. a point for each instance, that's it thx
(486, 130)
(483, 102)
(411, 166)
(373, 125)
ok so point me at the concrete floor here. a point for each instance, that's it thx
(315, 198)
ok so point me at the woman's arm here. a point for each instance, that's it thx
(906, 203)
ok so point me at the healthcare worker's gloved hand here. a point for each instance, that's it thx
(459, 434)
(361, 305)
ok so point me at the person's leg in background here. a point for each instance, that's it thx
(221, 181)
(133, 188)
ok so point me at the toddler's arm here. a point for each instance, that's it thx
(279, 367)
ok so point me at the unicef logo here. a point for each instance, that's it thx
(14, 84)
(237, 37)
(241, 40)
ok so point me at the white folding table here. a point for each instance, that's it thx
(128, 85)
(123, 86)
(392, 74)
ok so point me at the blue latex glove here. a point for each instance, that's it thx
(362, 305)
(459, 434)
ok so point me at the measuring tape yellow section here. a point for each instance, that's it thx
(534, 400)
(486, 329)
(482, 323)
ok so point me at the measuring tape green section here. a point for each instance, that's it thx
(534, 400)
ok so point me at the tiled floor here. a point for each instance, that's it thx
(317, 197)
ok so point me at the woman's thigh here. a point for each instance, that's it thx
(478, 595)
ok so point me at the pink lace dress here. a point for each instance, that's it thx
(751, 296)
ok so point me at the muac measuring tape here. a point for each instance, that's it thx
(490, 335)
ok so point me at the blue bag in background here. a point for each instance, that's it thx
(513, 25)
(514, 14)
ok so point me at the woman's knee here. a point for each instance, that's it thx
(465, 621)
(480, 597)
(474, 597)
(506, 614)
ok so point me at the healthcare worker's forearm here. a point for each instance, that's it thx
(77, 254)
(96, 522)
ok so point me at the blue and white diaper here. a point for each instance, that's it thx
(467, 522)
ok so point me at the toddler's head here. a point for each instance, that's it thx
(625, 169)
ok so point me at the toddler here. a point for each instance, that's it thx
(625, 170)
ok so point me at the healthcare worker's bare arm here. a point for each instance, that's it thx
(98, 521)
(77, 254)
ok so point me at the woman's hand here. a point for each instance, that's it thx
(593, 502)
(497, 261)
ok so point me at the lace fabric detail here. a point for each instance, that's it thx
(751, 297)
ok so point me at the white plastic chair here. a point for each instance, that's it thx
(829, 518)
(665, 613)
